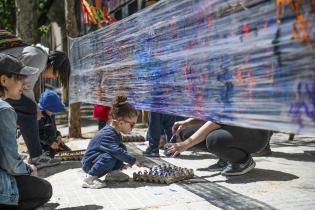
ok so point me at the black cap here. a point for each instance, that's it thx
(11, 65)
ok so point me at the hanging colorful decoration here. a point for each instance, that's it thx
(97, 14)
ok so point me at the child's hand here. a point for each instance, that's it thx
(34, 170)
(54, 145)
(39, 114)
(59, 140)
(124, 166)
(138, 163)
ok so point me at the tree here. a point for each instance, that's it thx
(74, 121)
(7, 15)
(26, 20)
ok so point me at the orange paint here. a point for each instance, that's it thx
(251, 83)
(97, 4)
(280, 9)
(209, 23)
(239, 78)
(300, 28)
(245, 29)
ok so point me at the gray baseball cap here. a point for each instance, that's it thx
(11, 65)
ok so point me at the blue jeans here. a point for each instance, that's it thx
(159, 124)
(103, 164)
(26, 120)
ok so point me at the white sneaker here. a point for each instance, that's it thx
(43, 161)
(116, 176)
(93, 182)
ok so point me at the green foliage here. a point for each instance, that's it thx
(7, 15)
(44, 29)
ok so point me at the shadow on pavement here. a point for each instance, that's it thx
(293, 143)
(306, 156)
(89, 207)
(218, 195)
(132, 184)
(50, 206)
(65, 165)
(257, 175)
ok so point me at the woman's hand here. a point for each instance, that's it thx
(177, 148)
(124, 166)
(178, 126)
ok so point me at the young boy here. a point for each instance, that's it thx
(50, 137)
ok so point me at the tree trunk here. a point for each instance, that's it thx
(74, 121)
(26, 20)
(54, 16)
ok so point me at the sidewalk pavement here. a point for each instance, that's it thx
(283, 181)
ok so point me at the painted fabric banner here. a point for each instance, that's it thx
(247, 63)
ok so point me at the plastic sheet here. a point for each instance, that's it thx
(247, 63)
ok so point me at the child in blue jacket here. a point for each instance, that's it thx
(106, 153)
(50, 138)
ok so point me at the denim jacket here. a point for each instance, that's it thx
(11, 164)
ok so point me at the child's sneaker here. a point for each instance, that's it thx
(93, 182)
(43, 161)
(117, 176)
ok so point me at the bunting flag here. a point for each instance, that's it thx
(97, 15)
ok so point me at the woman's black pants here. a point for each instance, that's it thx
(33, 192)
(231, 143)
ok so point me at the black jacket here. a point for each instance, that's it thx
(47, 129)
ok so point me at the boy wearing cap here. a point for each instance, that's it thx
(20, 188)
(50, 137)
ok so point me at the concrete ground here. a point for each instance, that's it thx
(285, 180)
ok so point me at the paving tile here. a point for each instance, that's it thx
(282, 181)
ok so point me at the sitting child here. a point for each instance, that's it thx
(50, 137)
(106, 153)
